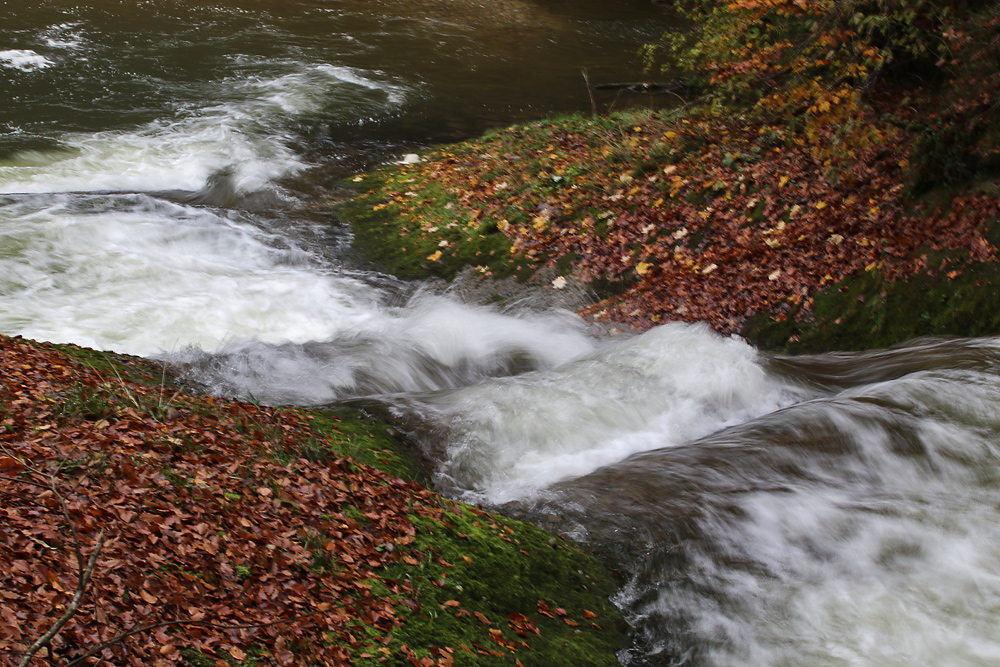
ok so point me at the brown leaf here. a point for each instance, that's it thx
(10, 464)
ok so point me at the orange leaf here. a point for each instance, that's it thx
(8, 463)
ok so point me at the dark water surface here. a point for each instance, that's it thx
(158, 164)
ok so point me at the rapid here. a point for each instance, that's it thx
(162, 167)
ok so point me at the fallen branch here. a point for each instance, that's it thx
(81, 589)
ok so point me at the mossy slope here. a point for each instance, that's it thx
(468, 587)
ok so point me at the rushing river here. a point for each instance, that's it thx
(160, 164)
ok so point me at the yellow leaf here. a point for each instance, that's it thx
(435, 257)
(642, 268)
(871, 267)
(783, 181)
(820, 205)
(538, 222)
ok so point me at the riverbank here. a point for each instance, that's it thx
(802, 213)
(670, 220)
(204, 531)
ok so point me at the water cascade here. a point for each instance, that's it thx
(159, 172)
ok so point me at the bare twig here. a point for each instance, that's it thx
(81, 589)
(590, 92)
(84, 575)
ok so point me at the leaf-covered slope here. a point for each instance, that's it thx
(829, 140)
(229, 533)
(705, 220)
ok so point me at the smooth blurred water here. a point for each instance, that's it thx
(163, 169)
(859, 527)
(161, 163)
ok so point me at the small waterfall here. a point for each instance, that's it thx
(162, 177)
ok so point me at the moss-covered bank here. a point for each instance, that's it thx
(869, 312)
(373, 568)
(689, 216)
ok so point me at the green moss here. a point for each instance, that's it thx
(393, 236)
(866, 312)
(472, 568)
(116, 365)
(463, 575)
(254, 656)
(401, 217)
(89, 403)
(352, 434)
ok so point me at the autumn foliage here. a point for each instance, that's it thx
(199, 536)
(219, 535)
(805, 160)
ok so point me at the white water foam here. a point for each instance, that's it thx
(511, 437)
(429, 343)
(64, 36)
(855, 530)
(244, 140)
(24, 60)
(140, 275)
